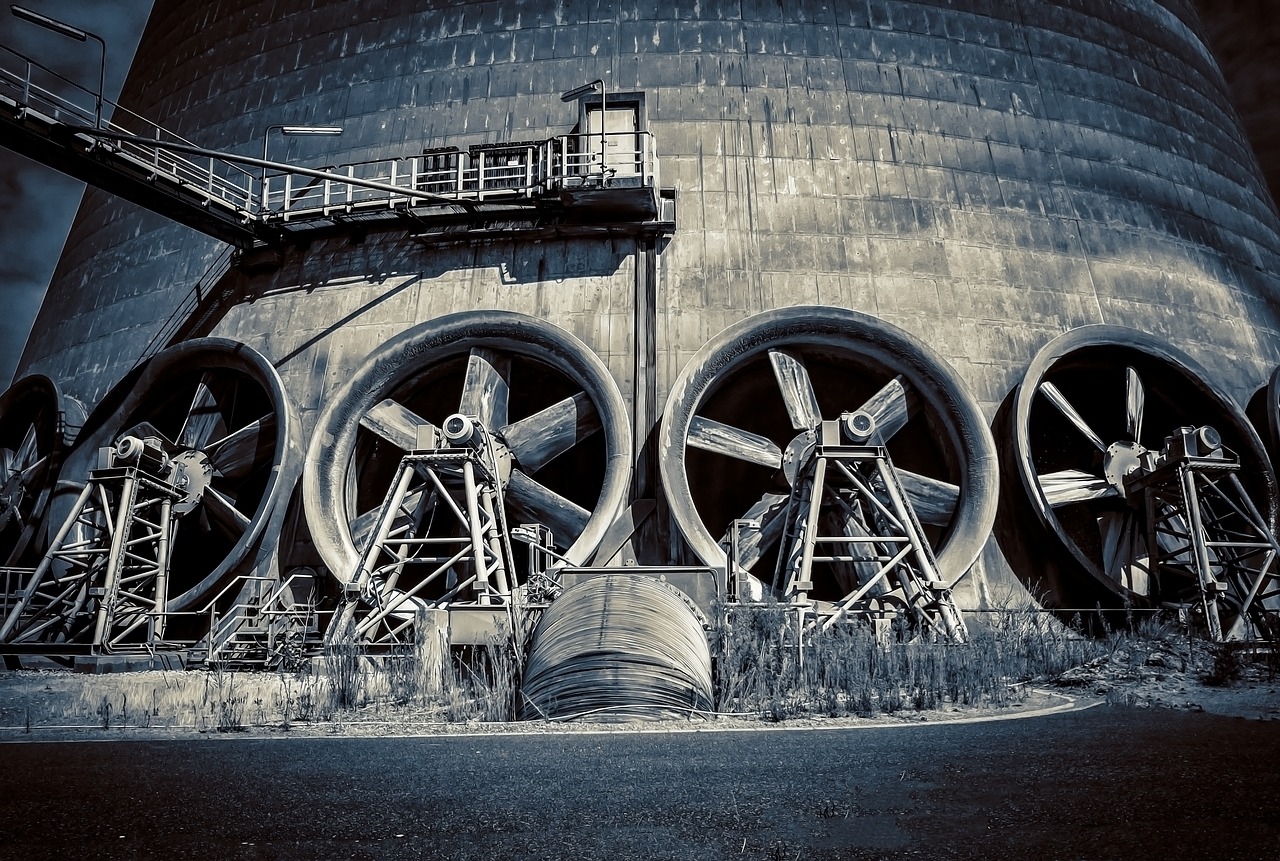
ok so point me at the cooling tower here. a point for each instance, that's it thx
(1032, 231)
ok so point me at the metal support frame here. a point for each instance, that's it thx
(104, 579)
(442, 519)
(1203, 530)
(848, 515)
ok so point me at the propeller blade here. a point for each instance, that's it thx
(1050, 391)
(30, 474)
(541, 504)
(542, 437)
(223, 514)
(26, 453)
(1123, 554)
(142, 430)
(710, 435)
(933, 500)
(397, 425)
(1070, 486)
(362, 527)
(204, 420)
(485, 390)
(7, 461)
(234, 455)
(891, 407)
(849, 520)
(755, 541)
(797, 390)
(1135, 402)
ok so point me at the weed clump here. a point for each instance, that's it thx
(769, 662)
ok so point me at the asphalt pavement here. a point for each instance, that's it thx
(1107, 783)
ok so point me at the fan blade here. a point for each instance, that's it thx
(1123, 555)
(797, 390)
(1070, 486)
(7, 461)
(30, 474)
(204, 419)
(755, 541)
(1135, 403)
(26, 453)
(933, 500)
(234, 455)
(1112, 526)
(224, 514)
(890, 407)
(142, 430)
(542, 437)
(710, 435)
(399, 426)
(362, 527)
(848, 520)
(485, 390)
(1050, 391)
(536, 502)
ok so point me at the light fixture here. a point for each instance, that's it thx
(64, 29)
(578, 92)
(289, 130)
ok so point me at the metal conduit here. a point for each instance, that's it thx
(617, 647)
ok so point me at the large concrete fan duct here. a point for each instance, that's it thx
(614, 647)
(1100, 410)
(36, 425)
(543, 396)
(752, 399)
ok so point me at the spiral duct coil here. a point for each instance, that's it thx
(618, 647)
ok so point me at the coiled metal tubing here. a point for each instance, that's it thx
(618, 647)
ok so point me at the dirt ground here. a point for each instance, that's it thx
(1176, 673)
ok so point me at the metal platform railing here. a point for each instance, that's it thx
(33, 92)
(40, 98)
(499, 172)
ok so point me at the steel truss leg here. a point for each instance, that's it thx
(889, 551)
(1217, 533)
(473, 560)
(106, 589)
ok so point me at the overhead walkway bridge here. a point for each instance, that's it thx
(440, 194)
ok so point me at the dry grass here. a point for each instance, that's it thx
(761, 666)
(421, 680)
(760, 670)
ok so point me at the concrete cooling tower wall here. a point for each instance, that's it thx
(1023, 247)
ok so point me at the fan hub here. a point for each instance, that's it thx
(1121, 460)
(192, 473)
(797, 454)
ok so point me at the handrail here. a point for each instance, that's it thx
(498, 170)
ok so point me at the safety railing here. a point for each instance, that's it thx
(256, 190)
(36, 88)
(12, 582)
(490, 172)
(263, 613)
